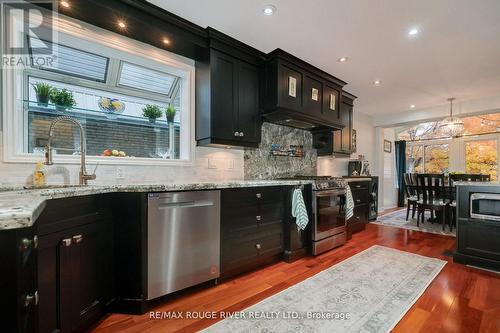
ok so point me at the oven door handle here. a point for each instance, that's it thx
(320, 194)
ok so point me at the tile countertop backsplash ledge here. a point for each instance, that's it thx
(20, 208)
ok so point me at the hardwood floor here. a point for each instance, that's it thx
(460, 299)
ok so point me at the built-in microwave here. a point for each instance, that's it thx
(485, 206)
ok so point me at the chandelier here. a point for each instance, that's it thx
(451, 126)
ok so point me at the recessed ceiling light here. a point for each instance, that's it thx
(413, 32)
(65, 4)
(376, 82)
(122, 24)
(342, 59)
(269, 10)
(412, 106)
(166, 41)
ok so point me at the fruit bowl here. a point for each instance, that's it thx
(112, 107)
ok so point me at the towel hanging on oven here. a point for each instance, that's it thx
(299, 210)
(349, 204)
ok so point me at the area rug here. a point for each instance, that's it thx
(398, 219)
(368, 292)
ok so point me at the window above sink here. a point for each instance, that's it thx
(106, 82)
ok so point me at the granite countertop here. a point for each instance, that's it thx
(20, 207)
(495, 183)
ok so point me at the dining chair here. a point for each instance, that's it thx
(431, 196)
(411, 194)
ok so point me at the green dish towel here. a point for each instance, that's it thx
(299, 210)
(349, 206)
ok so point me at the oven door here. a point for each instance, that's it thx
(329, 213)
(485, 206)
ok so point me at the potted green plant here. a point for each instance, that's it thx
(152, 112)
(170, 113)
(62, 99)
(42, 91)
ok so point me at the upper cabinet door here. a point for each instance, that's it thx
(347, 130)
(331, 105)
(313, 95)
(248, 102)
(224, 91)
(290, 82)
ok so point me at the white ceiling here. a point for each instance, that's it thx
(457, 52)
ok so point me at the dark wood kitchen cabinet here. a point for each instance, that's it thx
(361, 195)
(227, 94)
(251, 228)
(74, 264)
(19, 295)
(298, 94)
(338, 142)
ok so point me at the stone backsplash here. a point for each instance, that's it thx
(260, 164)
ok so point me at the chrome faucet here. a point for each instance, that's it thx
(84, 176)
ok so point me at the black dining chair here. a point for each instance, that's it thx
(431, 196)
(411, 194)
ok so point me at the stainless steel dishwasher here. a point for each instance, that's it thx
(183, 240)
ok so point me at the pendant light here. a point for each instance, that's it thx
(452, 126)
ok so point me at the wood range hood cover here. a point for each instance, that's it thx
(297, 94)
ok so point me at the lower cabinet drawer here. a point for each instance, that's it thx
(240, 254)
(358, 220)
(360, 196)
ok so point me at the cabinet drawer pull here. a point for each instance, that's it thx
(31, 299)
(358, 218)
(236, 134)
(26, 243)
(66, 242)
(358, 186)
(258, 195)
(77, 239)
(358, 200)
(258, 246)
(258, 217)
(241, 134)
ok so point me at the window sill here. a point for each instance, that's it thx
(75, 159)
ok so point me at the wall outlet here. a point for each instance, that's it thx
(120, 173)
(212, 163)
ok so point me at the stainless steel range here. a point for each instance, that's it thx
(328, 212)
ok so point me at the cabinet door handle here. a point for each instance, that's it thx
(66, 242)
(77, 239)
(31, 299)
(242, 134)
(26, 243)
(258, 246)
(258, 195)
(258, 217)
(236, 134)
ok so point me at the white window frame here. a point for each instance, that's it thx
(486, 137)
(436, 142)
(94, 39)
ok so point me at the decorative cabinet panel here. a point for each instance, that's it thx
(74, 264)
(337, 142)
(300, 95)
(227, 94)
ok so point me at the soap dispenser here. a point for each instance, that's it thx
(39, 175)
